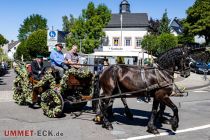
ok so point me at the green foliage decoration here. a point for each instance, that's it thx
(51, 100)
(47, 79)
(81, 73)
(20, 85)
(52, 103)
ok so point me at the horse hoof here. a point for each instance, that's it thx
(174, 127)
(153, 131)
(174, 124)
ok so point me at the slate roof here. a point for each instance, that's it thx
(176, 26)
(12, 44)
(129, 20)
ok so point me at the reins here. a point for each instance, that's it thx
(125, 94)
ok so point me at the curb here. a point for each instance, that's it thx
(197, 87)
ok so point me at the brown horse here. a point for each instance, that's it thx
(137, 81)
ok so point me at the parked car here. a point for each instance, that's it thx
(199, 67)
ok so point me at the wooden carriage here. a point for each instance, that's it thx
(56, 97)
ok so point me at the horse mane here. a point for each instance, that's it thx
(171, 57)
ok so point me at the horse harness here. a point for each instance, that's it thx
(159, 85)
(148, 88)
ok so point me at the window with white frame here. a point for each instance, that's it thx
(138, 42)
(128, 41)
(116, 41)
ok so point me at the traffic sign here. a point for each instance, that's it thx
(52, 33)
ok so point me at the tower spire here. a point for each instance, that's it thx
(124, 7)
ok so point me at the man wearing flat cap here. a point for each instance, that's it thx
(57, 59)
(37, 66)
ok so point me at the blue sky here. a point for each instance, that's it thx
(13, 12)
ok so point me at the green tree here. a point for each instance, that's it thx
(68, 22)
(154, 26)
(184, 39)
(3, 40)
(37, 43)
(149, 43)
(89, 27)
(22, 50)
(164, 24)
(3, 56)
(31, 24)
(198, 19)
(166, 41)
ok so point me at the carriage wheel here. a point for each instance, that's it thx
(18, 95)
(52, 103)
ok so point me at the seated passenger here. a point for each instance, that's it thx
(72, 57)
(36, 67)
(57, 60)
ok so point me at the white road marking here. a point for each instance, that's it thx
(166, 133)
(200, 91)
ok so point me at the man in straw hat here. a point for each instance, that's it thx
(57, 59)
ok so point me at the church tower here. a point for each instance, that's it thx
(124, 7)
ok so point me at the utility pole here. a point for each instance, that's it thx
(121, 20)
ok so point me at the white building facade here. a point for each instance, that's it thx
(125, 39)
(124, 34)
(12, 48)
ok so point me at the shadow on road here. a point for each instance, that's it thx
(2, 82)
(141, 118)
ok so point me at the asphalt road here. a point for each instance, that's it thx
(6, 81)
(194, 112)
